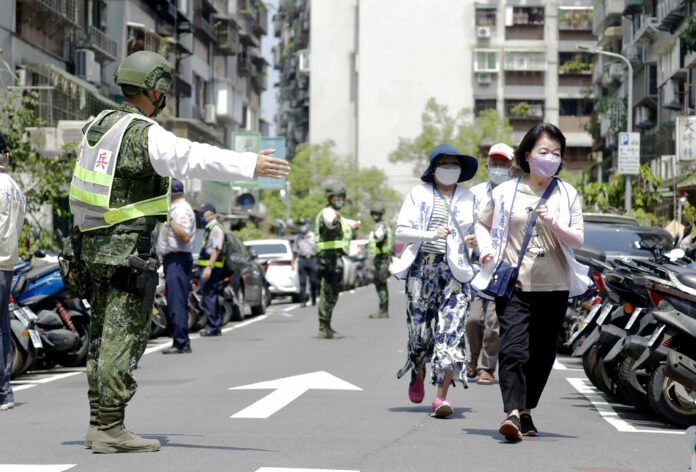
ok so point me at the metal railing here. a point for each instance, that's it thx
(68, 10)
(100, 41)
(523, 60)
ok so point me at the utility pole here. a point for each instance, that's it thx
(288, 220)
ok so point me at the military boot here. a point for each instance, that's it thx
(380, 314)
(112, 436)
(334, 334)
(324, 330)
(93, 423)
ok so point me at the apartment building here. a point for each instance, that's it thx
(377, 62)
(647, 33)
(291, 58)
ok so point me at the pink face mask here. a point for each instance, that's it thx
(546, 165)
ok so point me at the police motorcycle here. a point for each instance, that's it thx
(62, 322)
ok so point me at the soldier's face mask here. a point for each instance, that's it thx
(338, 203)
(377, 217)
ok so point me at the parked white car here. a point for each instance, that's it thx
(275, 255)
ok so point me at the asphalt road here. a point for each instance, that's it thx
(347, 411)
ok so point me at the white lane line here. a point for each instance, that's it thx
(283, 469)
(607, 412)
(35, 468)
(24, 384)
(292, 307)
(166, 343)
(558, 366)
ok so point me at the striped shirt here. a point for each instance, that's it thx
(440, 217)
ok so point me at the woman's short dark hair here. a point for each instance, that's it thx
(530, 139)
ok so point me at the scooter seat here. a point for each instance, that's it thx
(38, 272)
(687, 278)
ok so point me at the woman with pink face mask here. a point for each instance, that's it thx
(532, 223)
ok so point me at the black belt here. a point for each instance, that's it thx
(308, 256)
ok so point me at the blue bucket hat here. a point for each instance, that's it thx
(468, 164)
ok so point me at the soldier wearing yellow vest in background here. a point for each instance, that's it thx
(381, 244)
(119, 191)
(333, 238)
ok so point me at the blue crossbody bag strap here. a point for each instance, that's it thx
(532, 220)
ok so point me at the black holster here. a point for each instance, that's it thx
(145, 278)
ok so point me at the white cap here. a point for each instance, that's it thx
(502, 149)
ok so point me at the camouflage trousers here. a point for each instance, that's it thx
(381, 275)
(118, 334)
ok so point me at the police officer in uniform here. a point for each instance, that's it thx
(211, 260)
(305, 248)
(381, 244)
(119, 191)
(334, 234)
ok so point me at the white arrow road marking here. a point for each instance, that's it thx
(607, 412)
(279, 469)
(287, 390)
(35, 468)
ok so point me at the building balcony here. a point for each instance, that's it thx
(670, 13)
(166, 9)
(104, 47)
(181, 87)
(246, 32)
(227, 37)
(575, 19)
(647, 32)
(573, 124)
(529, 31)
(203, 26)
(228, 102)
(261, 23)
(524, 60)
(245, 66)
(606, 12)
(635, 53)
(645, 86)
(517, 110)
(67, 12)
(611, 36)
(575, 80)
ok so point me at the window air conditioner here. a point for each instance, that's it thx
(303, 61)
(483, 32)
(483, 79)
(209, 114)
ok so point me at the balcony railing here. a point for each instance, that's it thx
(524, 60)
(670, 13)
(647, 31)
(66, 10)
(204, 26)
(100, 43)
(605, 13)
(635, 54)
(244, 64)
(227, 37)
(522, 110)
(575, 19)
(645, 85)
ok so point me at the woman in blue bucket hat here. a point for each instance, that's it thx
(436, 223)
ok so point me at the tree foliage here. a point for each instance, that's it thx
(610, 196)
(316, 166)
(470, 135)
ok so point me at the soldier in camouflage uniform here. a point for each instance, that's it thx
(119, 191)
(333, 237)
(381, 248)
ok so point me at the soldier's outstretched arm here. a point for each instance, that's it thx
(180, 158)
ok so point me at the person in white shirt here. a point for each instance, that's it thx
(482, 329)
(12, 208)
(435, 221)
(174, 246)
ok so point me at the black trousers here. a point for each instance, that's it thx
(529, 325)
(307, 269)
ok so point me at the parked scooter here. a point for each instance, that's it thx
(25, 339)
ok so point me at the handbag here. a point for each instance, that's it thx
(505, 276)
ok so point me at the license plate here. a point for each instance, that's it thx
(24, 315)
(35, 338)
(86, 304)
(605, 312)
(633, 319)
(583, 324)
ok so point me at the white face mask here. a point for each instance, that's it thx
(448, 174)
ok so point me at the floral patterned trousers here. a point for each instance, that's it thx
(438, 306)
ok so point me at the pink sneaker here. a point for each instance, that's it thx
(416, 389)
(442, 408)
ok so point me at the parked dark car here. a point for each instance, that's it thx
(246, 285)
(622, 240)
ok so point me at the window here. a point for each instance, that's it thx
(575, 107)
(485, 16)
(484, 104)
(575, 63)
(575, 18)
(525, 60)
(528, 15)
(485, 60)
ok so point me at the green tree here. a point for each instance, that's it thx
(248, 232)
(316, 166)
(470, 135)
(610, 196)
(43, 178)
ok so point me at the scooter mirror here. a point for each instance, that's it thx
(675, 254)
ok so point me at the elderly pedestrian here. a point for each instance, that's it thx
(12, 207)
(119, 192)
(434, 221)
(211, 260)
(533, 223)
(304, 249)
(482, 327)
(174, 246)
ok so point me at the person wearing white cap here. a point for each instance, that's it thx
(482, 329)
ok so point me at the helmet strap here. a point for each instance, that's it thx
(158, 104)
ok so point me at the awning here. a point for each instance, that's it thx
(70, 84)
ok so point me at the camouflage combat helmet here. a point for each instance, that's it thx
(377, 208)
(144, 70)
(336, 189)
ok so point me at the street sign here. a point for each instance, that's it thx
(629, 153)
(686, 138)
(287, 390)
(279, 145)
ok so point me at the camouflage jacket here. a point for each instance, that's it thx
(134, 180)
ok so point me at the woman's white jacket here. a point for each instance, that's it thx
(416, 212)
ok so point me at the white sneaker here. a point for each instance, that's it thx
(6, 406)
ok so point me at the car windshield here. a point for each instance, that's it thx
(623, 239)
(263, 249)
